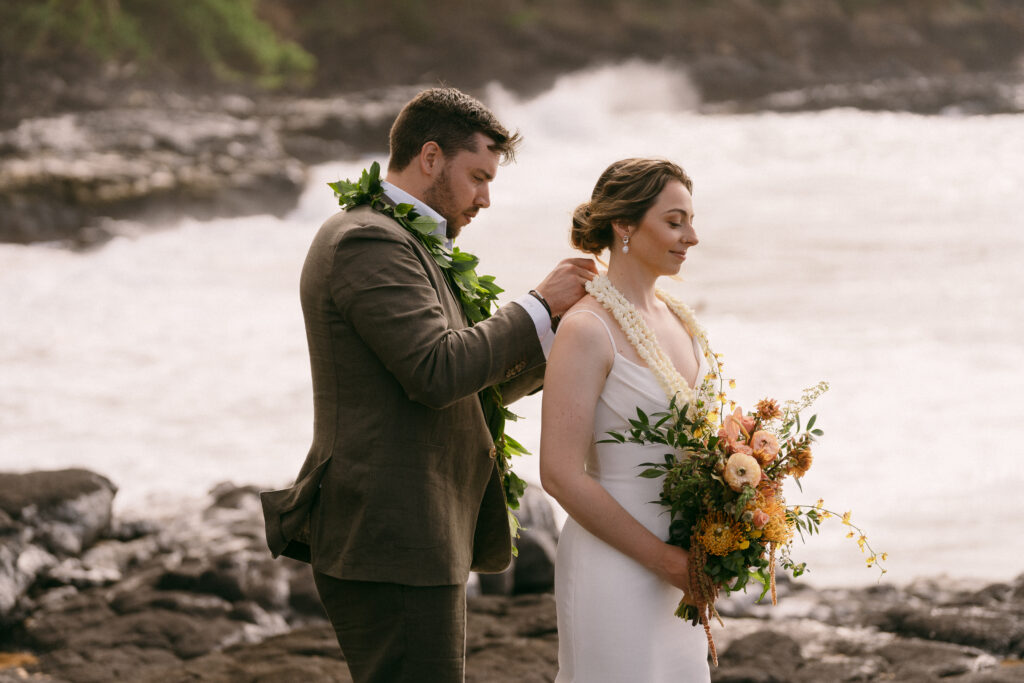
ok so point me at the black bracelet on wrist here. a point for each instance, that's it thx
(536, 295)
(554, 318)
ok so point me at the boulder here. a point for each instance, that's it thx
(46, 518)
(67, 510)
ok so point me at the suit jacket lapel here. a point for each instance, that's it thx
(437, 269)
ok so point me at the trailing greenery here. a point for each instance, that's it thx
(225, 39)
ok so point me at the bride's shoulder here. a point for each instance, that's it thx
(588, 312)
(586, 326)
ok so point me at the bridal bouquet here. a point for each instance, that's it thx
(723, 486)
(724, 471)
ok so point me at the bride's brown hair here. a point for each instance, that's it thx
(625, 191)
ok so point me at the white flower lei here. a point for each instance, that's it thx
(646, 344)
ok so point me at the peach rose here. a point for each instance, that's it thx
(760, 519)
(764, 446)
(741, 470)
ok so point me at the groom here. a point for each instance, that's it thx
(399, 497)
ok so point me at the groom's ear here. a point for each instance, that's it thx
(431, 158)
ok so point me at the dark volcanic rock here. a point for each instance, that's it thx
(198, 598)
(1000, 631)
(761, 657)
(59, 175)
(68, 509)
(156, 157)
(47, 517)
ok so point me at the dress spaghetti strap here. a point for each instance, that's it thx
(611, 339)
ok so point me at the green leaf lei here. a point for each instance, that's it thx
(476, 293)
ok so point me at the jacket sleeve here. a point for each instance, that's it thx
(381, 287)
(525, 384)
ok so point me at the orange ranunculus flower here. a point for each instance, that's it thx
(802, 460)
(741, 470)
(764, 446)
(768, 409)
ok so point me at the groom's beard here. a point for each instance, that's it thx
(439, 197)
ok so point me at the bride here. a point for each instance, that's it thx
(617, 583)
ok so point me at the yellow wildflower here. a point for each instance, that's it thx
(846, 517)
(850, 534)
(820, 503)
(885, 556)
(732, 384)
(861, 542)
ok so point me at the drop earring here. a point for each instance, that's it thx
(625, 244)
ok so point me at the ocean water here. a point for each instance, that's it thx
(879, 251)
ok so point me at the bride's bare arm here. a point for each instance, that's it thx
(577, 367)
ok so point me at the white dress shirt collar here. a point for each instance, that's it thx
(400, 196)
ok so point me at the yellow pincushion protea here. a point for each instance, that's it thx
(778, 529)
(720, 536)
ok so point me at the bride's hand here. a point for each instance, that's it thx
(673, 565)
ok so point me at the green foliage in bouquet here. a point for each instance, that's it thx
(722, 487)
(695, 491)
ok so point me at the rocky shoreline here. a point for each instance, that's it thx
(83, 141)
(154, 157)
(86, 596)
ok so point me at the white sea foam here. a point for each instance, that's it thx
(879, 251)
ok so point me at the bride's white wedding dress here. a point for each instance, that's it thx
(615, 617)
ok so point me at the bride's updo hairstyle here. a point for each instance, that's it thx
(625, 191)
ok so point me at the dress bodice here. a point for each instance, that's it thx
(616, 618)
(616, 466)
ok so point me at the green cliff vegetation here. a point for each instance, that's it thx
(225, 39)
(748, 47)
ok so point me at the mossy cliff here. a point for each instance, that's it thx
(736, 50)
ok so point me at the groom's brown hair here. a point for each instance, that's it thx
(450, 118)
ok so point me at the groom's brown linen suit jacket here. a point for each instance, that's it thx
(400, 484)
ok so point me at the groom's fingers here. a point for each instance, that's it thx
(563, 286)
(584, 267)
(585, 263)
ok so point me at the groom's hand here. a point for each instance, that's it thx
(563, 286)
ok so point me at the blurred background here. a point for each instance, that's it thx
(858, 184)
